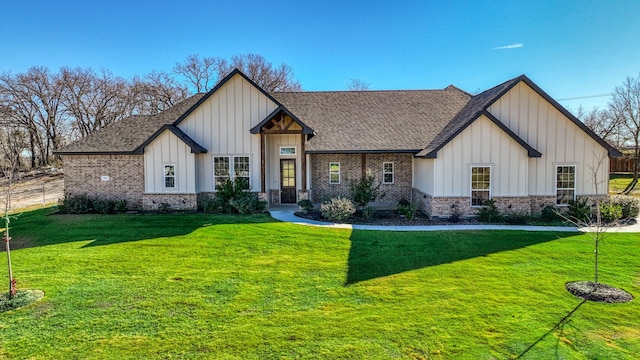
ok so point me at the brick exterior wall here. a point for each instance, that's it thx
(152, 202)
(82, 175)
(351, 169)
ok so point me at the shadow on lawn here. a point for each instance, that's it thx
(46, 227)
(376, 254)
(559, 326)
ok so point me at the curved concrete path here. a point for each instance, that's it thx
(286, 213)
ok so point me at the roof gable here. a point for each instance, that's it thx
(281, 109)
(195, 147)
(479, 105)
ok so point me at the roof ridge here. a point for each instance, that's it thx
(358, 91)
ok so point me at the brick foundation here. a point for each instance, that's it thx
(122, 174)
(152, 202)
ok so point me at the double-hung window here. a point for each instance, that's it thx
(241, 169)
(565, 184)
(231, 168)
(334, 173)
(387, 173)
(480, 185)
(169, 176)
(221, 170)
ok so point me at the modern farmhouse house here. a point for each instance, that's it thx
(439, 148)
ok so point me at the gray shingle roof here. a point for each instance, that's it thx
(127, 135)
(355, 121)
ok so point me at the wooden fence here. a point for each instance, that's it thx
(621, 164)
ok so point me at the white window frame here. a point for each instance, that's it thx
(235, 175)
(483, 190)
(215, 177)
(333, 172)
(392, 172)
(165, 176)
(295, 150)
(555, 182)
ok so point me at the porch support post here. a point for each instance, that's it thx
(262, 163)
(303, 163)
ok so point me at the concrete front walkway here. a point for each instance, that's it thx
(285, 213)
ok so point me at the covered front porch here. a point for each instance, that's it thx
(284, 172)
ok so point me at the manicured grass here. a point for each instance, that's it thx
(204, 286)
(619, 182)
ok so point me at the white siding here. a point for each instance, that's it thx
(482, 143)
(167, 149)
(558, 139)
(423, 175)
(221, 124)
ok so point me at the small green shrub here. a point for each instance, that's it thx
(305, 206)
(104, 206)
(516, 218)
(164, 208)
(630, 206)
(230, 190)
(368, 212)
(579, 209)
(209, 204)
(248, 204)
(337, 209)
(75, 204)
(610, 212)
(406, 208)
(121, 206)
(365, 190)
(489, 212)
(455, 213)
(550, 213)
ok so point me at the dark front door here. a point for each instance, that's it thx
(288, 181)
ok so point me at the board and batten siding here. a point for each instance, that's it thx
(274, 142)
(167, 149)
(423, 175)
(482, 143)
(221, 124)
(559, 140)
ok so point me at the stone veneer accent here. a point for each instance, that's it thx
(443, 206)
(351, 169)
(151, 202)
(82, 175)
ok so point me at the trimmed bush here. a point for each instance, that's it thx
(164, 208)
(306, 206)
(516, 218)
(630, 206)
(579, 209)
(368, 212)
(550, 213)
(103, 206)
(489, 212)
(610, 212)
(337, 209)
(121, 206)
(406, 208)
(75, 204)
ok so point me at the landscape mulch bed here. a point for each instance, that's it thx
(599, 292)
(390, 218)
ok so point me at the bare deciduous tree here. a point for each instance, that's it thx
(262, 72)
(356, 84)
(94, 100)
(156, 92)
(624, 107)
(603, 124)
(200, 72)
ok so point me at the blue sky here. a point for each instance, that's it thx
(570, 48)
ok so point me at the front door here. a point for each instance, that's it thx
(288, 181)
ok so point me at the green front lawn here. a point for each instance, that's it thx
(203, 286)
(619, 183)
